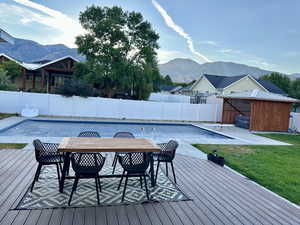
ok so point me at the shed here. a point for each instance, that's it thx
(266, 111)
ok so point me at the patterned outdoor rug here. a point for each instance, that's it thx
(46, 191)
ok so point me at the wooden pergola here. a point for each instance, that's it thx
(266, 111)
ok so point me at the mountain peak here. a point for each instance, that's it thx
(186, 70)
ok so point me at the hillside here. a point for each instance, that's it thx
(186, 70)
(28, 51)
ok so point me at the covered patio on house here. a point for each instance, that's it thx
(217, 196)
(257, 110)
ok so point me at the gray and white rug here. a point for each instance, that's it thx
(46, 191)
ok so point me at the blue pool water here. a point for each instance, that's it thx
(60, 128)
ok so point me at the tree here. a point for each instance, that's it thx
(13, 69)
(5, 82)
(280, 80)
(168, 80)
(295, 89)
(120, 48)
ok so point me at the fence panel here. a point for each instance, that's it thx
(56, 105)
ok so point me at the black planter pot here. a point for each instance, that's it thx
(216, 159)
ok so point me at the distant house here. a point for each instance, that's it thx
(43, 75)
(214, 84)
(5, 37)
(169, 89)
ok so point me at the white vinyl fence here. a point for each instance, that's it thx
(159, 97)
(295, 121)
(56, 105)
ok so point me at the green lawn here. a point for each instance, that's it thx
(5, 115)
(274, 167)
(11, 146)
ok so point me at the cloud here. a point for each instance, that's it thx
(229, 51)
(170, 23)
(213, 43)
(67, 27)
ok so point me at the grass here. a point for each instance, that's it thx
(274, 167)
(11, 146)
(5, 115)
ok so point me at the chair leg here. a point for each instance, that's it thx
(36, 176)
(97, 190)
(58, 173)
(60, 167)
(146, 186)
(157, 168)
(141, 182)
(99, 184)
(73, 189)
(124, 190)
(167, 172)
(173, 172)
(114, 167)
(121, 180)
(115, 160)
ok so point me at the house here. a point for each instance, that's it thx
(169, 89)
(220, 85)
(43, 75)
(5, 37)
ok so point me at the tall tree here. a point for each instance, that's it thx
(120, 48)
(295, 89)
(280, 80)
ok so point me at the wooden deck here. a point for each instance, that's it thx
(219, 197)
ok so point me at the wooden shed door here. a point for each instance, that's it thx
(270, 116)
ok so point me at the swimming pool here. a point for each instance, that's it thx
(64, 128)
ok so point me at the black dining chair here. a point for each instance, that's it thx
(120, 135)
(89, 134)
(87, 166)
(166, 155)
(46, 154)
(135, 165)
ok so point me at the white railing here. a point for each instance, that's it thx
(56, 105)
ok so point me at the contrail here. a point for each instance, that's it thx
(170, 23)
(68, 27)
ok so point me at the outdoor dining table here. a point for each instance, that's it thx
(120, 145)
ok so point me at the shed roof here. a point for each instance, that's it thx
(259, 95)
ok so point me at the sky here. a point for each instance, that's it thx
(264, 34)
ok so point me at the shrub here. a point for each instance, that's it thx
(5, 82)
(75, 88)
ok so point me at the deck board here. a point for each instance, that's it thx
(218, 195)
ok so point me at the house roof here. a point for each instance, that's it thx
(271, 87)
(169, 88)
(220, 82)
(36, 66)
(259, 95)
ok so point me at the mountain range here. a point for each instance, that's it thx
(30, 51)
(180, 70)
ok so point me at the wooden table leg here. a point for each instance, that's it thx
(65, 170)
(152, 170)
